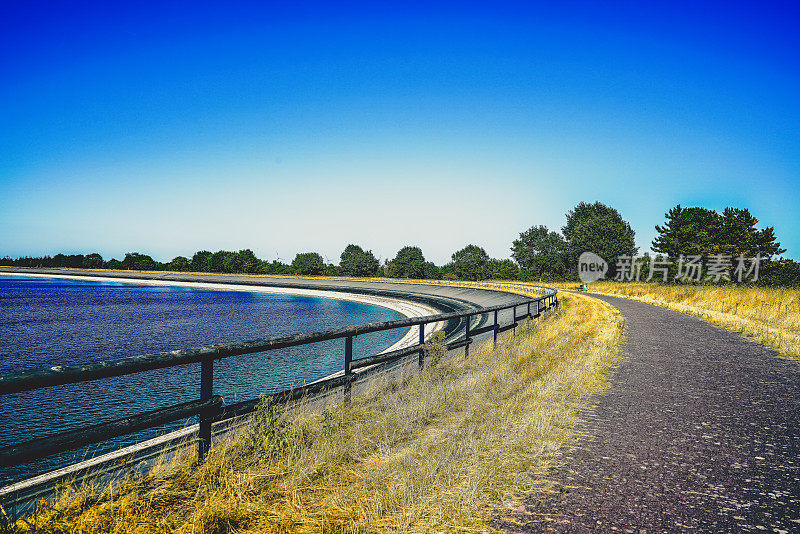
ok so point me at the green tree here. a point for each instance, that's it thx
(308, 263)
(738, 235)
(431, 271)
(600, 229)
(217, 261)
(355, 261)
(409, 263)
(541, 253)
(232, 263)
(471, 263)
(277, 267)
(93, 261)
(249, 263)
(74, 261)
(503, 270)
(688, 231)
(780, 272)
(201, 261)
(701, 231)
(179, 263)
(113, 264)
(138, 262)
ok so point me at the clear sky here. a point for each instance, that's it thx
(170, 127)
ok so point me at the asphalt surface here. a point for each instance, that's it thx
(699, 432)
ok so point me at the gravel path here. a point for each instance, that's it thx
(700, 431)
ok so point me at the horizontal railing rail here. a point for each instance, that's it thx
(209, 408)
(37, 448)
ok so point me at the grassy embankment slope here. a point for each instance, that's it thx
(441, 451)
(766, 315)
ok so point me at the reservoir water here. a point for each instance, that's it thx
(52, 321)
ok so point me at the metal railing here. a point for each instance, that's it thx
(210, 407)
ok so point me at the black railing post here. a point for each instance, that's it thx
(466, 339)
(514, 320)
(421, 345)
(529, 310)
(348, 359)
(206, 391)
(496, 326)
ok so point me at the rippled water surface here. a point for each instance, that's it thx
(50, 321)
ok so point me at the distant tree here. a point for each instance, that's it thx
(113, 264)
(738, 235)
(138, 262)
(541, 253)
(93, 261)
(409, 263)
(45, 261)
(74, 261)
(308, 263)
(217, 261)
(201, 261)
(249, 263)
(179, 263)
(701, 231)
(471, 263)
(276, 267)
(780, 272)
(600, 229)
(688, 231)
(231, 263)
(431, 271)
(355, 261)
(503, 270)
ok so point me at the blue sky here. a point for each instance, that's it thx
(171, 127)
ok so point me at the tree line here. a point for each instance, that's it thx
(538, 254)
(470, 263)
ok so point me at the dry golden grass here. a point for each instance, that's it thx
(770, 316)
(438, 452)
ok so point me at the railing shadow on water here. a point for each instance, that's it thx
(209, 407)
